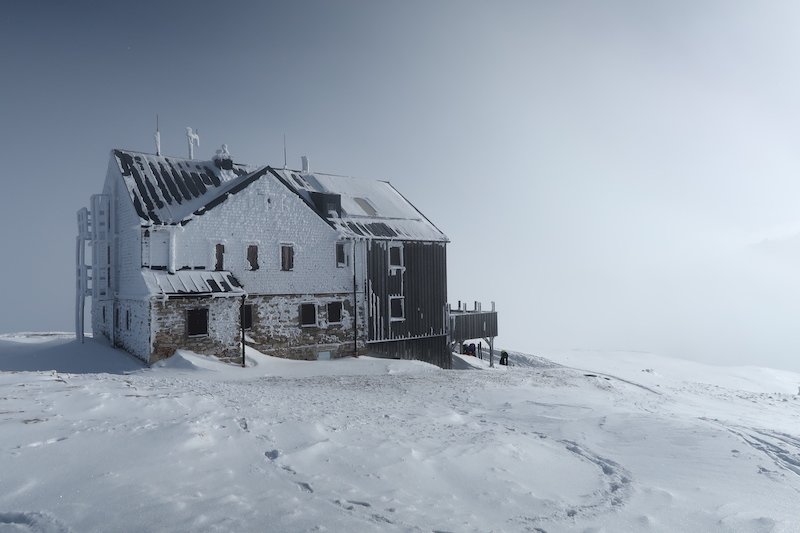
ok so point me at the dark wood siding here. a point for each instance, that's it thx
(432, 350)
(422, 283)
(473, 325)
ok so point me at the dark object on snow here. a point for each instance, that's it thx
(504, 358)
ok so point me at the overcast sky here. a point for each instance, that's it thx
(615, 175)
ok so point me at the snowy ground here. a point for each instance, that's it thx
(579, 441)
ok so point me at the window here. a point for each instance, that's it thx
(252, 256)
(366, 206)
(395, 256)
(104, 314)
(335, 313)
(397, 308)
(197, 322)
(341, 256)
(127, 319)
(308, 315)
(247, 316)
(116, 317)
(219, 255)
(287, 257)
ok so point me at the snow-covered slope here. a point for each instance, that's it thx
(579, 441)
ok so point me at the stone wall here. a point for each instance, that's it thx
(170, 327)
(277, 329)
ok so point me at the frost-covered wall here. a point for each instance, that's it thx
(102, 315)
(126, 278)
(170, 327)
(266, 214)
(132, 332)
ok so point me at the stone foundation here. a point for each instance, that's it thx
(276, 328)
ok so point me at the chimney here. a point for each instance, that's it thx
(222, 159)
(304, 161)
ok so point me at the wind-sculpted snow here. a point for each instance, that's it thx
(380, 445)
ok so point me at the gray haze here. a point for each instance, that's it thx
(615, 175)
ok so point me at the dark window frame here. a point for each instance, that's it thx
(340, 305)
(219, 257)
(402, 314)
(341, 255)
(252, 257)
(190, 322)
(287, 257)
(304, 316)
(400, 256)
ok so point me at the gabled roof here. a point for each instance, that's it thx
(358, 207)
(167, 190)
(170, 190)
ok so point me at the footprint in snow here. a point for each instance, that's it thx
(272, 454)
(305, 487)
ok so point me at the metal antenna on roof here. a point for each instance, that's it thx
(158, 138)
(284, 151)
(194, 140)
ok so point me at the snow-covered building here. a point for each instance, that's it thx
(200, 254)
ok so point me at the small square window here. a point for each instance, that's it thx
(397, 308)
(335, 313)
(287, 257)
(308, 315)
(252, 256)
(197, 322)
(341, 256)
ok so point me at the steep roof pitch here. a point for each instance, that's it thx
(364, 208)
(167, 190)
(170, 190)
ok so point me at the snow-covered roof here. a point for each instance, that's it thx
(359, 207)
(167, 190)
(215, 283)
(170, 190)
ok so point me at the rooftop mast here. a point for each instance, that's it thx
(158, 138)
(194, 140)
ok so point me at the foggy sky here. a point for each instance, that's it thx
(615, 175)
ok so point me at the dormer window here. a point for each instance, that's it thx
(366, 206)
